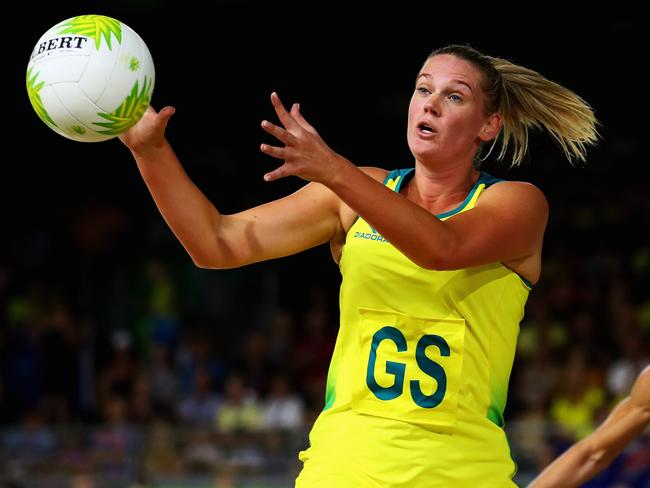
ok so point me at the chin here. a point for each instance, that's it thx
(423, 154)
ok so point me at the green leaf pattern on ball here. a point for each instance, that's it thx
(129, 111)
(95, 27)
(33, 87)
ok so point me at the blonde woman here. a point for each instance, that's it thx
(437, 262)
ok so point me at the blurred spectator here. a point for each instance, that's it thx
(240, 411)
(280, 338)
(160, 324)
(539, 327)
(32, 440)
(117, 377)
(61, 356)
(200, 407)
(196, 351)
(162, 455)
(163, 377)
(21, 360)
(282, 409)
(580, 396)
(114, 442)
(201, 454)
(140, 407)
(623, 371)
(312, 354)
(254, 364)
(536, 379)
(83, 480)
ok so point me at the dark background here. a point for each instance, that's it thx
(352, 69)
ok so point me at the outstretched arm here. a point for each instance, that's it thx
(591, 455)
(299, 221)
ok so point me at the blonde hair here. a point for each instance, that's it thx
(525, 99)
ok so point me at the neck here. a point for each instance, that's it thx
(440, 190)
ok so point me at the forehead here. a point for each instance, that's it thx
(445, 67)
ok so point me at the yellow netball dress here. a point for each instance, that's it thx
(418, 380)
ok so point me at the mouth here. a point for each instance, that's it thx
(425, 130)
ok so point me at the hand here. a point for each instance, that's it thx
(304, 153)
(149, 132)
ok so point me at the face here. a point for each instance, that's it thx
(447, 120)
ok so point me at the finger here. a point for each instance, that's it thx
(283, 115)
(278, 132)
(278, 173)
(295, 113)
(274, 151)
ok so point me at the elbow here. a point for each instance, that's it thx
(210, 256)
(599, 460)
(211, 265)
(201, 263)
(440, 258)
(596, 455)
(211, 261)
(206, 261)
(445, 253)
(434, 263)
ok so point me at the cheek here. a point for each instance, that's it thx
(411, 112)
(465, 127)
(410, 124)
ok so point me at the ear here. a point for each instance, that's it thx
(491, 127)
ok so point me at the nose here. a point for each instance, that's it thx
(432, 105)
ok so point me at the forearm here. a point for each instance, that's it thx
(590, 456)
(191, 216)
(397, 219)
(570, 470)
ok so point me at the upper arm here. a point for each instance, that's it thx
(304, 219)
(308, 217)
(507, 224)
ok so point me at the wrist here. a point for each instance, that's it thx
(149, 152)
(337, 174)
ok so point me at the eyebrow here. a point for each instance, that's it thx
(460, 82)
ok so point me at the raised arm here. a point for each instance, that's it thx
(299, 221)
(507, 224)
(588, 457)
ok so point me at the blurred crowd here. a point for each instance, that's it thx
(117, 353)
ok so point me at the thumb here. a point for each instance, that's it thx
(295, 112)
(165, 114)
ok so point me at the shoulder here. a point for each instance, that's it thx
(375, 173)
(515, 193)
(518, 205)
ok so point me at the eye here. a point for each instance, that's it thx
(454, 97)
(422, 89)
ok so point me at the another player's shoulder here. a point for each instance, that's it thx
(375, 173)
